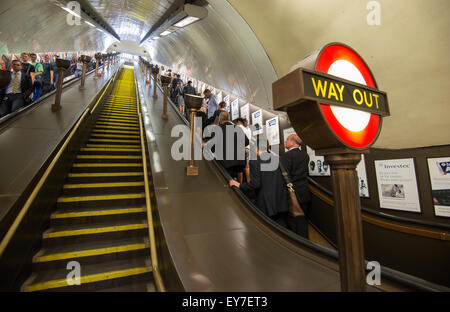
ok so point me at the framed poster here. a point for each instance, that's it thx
(245, 112)
(318, 167)
(362, 178)
(235, 109)
(219, 96)
(439, 169)
(397, 184)
(273, 131)
(257, 121)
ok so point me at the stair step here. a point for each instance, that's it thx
(114, 141)
(76, 213)
(92, 229)
(112, 124)
(93, 276)
(115, 131)
(63, 199)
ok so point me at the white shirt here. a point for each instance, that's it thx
(10, 86)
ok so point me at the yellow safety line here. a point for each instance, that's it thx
(89, 165)
(108, 229)
(119, 112)
(114, 146)
(117, 141)
(98, 185)
(117, 125)
(99, 197)
(115, 131)
(108, 157)
(111, 121)
(109, 212)
(94, 149)
(114, 118)
(88, 279)
(123, 96)
(89, 253)
(98, 135)
(105, 174)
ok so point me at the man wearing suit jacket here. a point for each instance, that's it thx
(271, 190)
(296, 161)
(17, 92)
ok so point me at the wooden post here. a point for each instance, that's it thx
(155, 81)
(348, 218)
(85, 59)
(192, 170)
(96, 68)
(62, 66)
(164, 114)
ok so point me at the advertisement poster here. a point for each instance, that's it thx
(397, 184)
(318, 167)
(245, 112)
(226, 99)
(257, 121)
(362, 178)
(273, 131)
(439, 169)
(219, 96)
(235, 109)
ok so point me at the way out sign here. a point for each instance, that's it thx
(332, 99)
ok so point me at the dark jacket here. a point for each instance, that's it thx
(25, 85)
(188, 90)
(231, 161)
(296, 163)
(271, 192)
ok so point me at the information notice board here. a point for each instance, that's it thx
(439, 169)
(397, 184)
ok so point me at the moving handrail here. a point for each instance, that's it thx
(151, 230)
(386, 272)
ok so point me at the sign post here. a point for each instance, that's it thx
(193, 103)
(85, 59)
(336, 108)
(165, 80)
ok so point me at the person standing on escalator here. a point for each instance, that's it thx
(295, 162)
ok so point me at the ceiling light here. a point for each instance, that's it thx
(99, 30)
(165, 33)
(156, 38)
(71, 12)
(90, 24)
(186, 21)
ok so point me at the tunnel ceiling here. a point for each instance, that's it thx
(245, 48)
(131, 19)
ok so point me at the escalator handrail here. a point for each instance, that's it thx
(381, 214)
(390, 274)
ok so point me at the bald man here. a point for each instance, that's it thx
(296, 162)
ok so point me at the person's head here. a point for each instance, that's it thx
(33, 57)
(224, 117)
(24, 57)
(55, 57)
(46, 58)
(179, 83)
(203, 109)
(222, 105)
(178, 76)
(207, 93)
(16, 66)
(190, 83)
(292, 141)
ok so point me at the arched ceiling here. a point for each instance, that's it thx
(243, 46)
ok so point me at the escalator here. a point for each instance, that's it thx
(101, 220)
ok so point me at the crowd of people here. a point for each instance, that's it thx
(267, 188)
(32, 79)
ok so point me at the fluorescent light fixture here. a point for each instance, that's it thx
(90, 24)
(71, 12)
(99, 30)
(156, 38)
(186, 21)
(165, 33)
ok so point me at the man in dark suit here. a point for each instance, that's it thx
(15, 95)
(296, 161)
(233, 137)
(271, 191)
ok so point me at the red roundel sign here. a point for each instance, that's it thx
(353, 127)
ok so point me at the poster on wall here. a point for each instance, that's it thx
(257, 121)
(226, 99)
(318, 167)
(439, 169)
(273, 131)
(235, 109)
(219, 96)
(362, 178)
(397, 184)
(245, 112)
